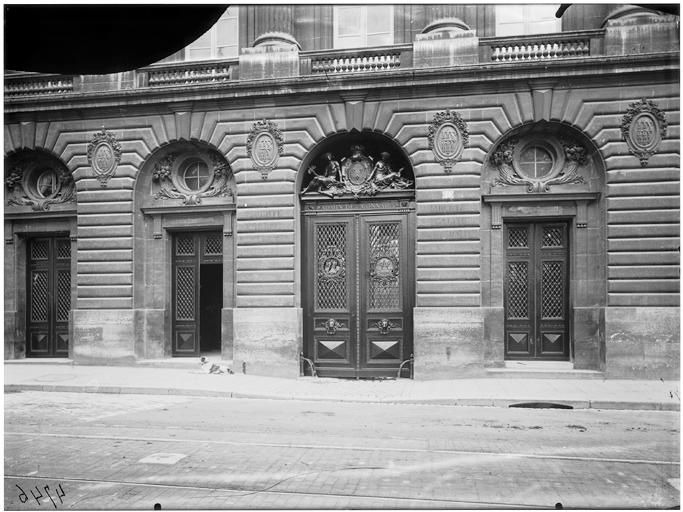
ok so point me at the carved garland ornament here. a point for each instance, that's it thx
(643, 127)
(567, 157)
(358, 175)
(104, 155)
(165, 176)
(448, 137)
(39, 187)
(264, 146)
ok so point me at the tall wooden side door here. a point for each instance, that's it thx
(48, 293)
(536, 291)
(191, 251)
(358, 307)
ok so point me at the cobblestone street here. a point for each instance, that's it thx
(91, 451)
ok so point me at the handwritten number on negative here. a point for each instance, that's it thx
(22, 497)
(60, 496)
(47, 491)
(36, 497)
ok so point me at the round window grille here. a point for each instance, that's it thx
(47, 183)
(535, 162)
(196, 176)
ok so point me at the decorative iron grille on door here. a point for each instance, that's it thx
(536, 291)
(190, 252)
(48, 296)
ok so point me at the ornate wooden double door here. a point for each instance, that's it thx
(358, 293)
(197, 292)
(48, 294)
(536, 291)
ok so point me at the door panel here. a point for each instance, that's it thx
(48, 297)
(190, 251)
(356, 289)
(536, 291)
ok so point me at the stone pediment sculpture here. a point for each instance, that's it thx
(538, 164)
(357, 174)
(191, 178)
(39, 186)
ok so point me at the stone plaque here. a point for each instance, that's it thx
(104, 155)
(448, 137)
(264, 146)
(643, 127)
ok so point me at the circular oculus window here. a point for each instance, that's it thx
(42, 183)
(196, 176)
(536, 159)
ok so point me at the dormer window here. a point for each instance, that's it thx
(362, 26)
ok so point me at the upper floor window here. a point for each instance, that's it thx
(219, 42)
(358, 26)
(517, 20)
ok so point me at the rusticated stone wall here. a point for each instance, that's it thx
(455, 329)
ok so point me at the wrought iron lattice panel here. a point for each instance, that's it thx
(213, 246)
(552, 236)
(184, 246)
(331, 290)
(39, 296)
(518, 290)
(63, 295)
(518, 237)
(40, 249)
(63, 249)
(552, 290)
(384, 286)
(185, 291)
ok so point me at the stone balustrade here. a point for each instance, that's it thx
(23, 84)
(583, 43)
(355, 60)
(545, 46)
(188, 73)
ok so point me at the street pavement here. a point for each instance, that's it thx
(189, 380)
(127, 451)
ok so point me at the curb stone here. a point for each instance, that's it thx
(462, 402)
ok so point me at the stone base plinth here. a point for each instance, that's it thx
(268, 340)
(448, 342)
(642, 342)
(103, 336)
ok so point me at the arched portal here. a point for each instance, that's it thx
(184, 253)
(545, 247)
(358, 204)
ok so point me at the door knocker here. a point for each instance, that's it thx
(331, 326)
(384, 325)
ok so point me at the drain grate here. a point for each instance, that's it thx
(541, 405)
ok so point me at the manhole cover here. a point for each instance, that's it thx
(162, 458)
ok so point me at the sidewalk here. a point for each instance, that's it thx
(189, 381)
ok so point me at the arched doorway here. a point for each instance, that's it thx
(544, 184)
(184, 253)
(357, 203)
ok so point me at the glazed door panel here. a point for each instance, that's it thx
(190, 252)
(357, 294)
(536, 291)
(48, 297)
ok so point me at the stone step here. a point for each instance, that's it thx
(542, 370)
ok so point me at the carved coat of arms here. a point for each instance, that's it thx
(104, 155)
(357, 174)
(643, 127)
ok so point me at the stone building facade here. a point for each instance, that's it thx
(443, 205)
